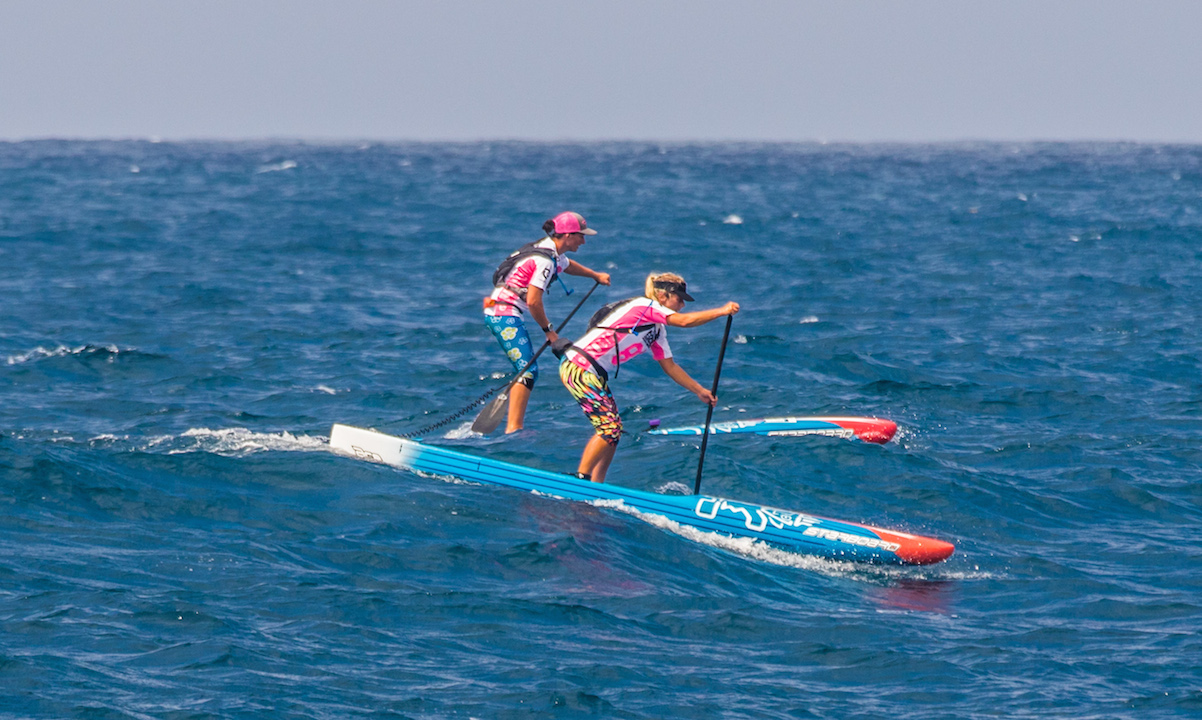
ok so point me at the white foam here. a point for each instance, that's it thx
(40, 353)
(286, 165)
(808, 319)
(673, 487)
(237, 442)
(732, 219)
(445, 478)
(462, 432)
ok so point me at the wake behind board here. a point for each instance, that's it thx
(786, 529)
(873, 430)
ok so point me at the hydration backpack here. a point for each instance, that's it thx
(525, 251)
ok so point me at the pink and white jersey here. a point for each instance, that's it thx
(533, 271)
(611, 348)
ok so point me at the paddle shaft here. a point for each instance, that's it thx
(709, 413)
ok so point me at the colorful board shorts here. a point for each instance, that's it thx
(595, 400)
(511, 332)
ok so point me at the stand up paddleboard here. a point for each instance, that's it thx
(781, 528)
(873, 430)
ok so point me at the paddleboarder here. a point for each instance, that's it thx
(519, 285)
(617, 333)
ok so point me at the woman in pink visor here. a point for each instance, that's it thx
(519, 286)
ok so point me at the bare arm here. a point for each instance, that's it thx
(701, 317)
(575, 268)
(534, 299)
(682, 379)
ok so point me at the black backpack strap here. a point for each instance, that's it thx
(629, 330)
(601, 372)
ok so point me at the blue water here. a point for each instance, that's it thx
(184, 322)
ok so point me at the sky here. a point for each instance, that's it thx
(672, 70)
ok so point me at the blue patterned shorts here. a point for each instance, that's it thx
(511, 332)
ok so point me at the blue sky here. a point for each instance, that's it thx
(681, 70)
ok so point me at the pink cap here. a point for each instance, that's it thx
(570, 222)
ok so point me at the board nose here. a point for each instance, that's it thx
(925, 551)
(916, 549)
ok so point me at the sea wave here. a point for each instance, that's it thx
(102, 352)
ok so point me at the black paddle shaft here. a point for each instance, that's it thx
(709, 413)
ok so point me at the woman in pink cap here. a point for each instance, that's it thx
(519, 285)
(618, 333)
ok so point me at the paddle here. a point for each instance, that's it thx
(492, 414)
(709, 414)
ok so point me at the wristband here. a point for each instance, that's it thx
(548, 328)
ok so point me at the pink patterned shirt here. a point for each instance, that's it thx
(611, 348)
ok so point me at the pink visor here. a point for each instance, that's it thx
(570, 222)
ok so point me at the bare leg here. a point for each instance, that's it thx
(597, 456)
(519, 395)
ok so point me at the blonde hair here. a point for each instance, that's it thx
(649, 288)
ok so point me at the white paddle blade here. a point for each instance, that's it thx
(493, 413)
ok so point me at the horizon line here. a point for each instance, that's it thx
(352, 140)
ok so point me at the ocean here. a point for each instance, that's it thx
(185, 321)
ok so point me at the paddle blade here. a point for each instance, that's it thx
(493, 413)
